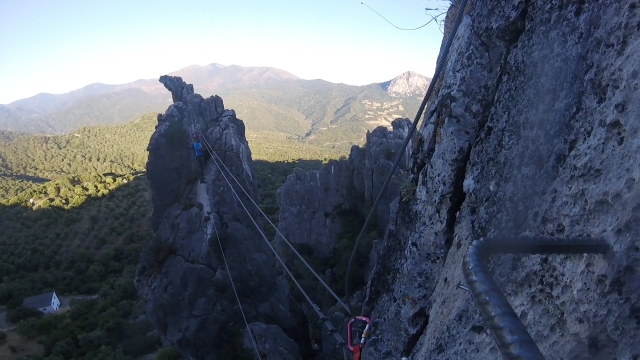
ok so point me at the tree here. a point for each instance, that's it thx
(20, 313)
(64, 348)
(168, 353)
(28, 328)
(92, 340)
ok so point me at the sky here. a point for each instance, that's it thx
(63, 45)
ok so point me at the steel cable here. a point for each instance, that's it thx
(385, 184)
(317, 310)
(324, 284)
(433, 18)
(233, 286)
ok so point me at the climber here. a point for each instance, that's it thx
(197, 146)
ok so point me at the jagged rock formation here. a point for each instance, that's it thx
(310, 205)
(407, 84)
(272, 343)
(181, 274)
(534, 132)
(313, 204)
(372, 165)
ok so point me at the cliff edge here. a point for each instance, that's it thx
(533, 131)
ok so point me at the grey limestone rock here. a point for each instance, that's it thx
(533, 131)
(181, 274)
(271, 342)
(312, 202)
(381, 150)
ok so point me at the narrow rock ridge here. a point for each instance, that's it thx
(528, 135)
(181, 273)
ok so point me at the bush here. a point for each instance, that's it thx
(168, 353)
(64, 349)
(20, 313)
(3, 336)
(235, 349)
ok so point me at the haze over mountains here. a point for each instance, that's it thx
(267, 99)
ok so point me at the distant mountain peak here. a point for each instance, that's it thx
(406, 84)
(251, 74)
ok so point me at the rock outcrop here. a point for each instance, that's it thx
(181, 274)
(314, 204)
(310, 206)
(533, 131)
(373, 163)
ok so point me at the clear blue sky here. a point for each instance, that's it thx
(62, 45)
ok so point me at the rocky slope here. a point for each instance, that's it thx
(533, 132)
(181, 274)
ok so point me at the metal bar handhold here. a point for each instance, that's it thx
(510, 335)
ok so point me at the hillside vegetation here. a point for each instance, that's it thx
(74, 217)
(73, 209)
(81, 236)
(117, 149)
(267, 99)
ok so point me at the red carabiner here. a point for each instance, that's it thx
(357, 348)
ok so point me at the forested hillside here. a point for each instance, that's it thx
(116, 149)
(73, 213)
(309, 107)
(81, 236)
(267, 99)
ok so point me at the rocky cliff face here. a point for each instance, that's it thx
(534, 132)
(315, 204)
(181, 274)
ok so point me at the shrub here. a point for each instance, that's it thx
(64, 349)
(20, 313)
(168, 353)
(234, 349)
(408, 190)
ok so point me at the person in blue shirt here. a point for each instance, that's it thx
(197, 146)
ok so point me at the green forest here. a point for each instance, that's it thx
(74, 216)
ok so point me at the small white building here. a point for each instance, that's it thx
(46, 303)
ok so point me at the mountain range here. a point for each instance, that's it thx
(267, 99)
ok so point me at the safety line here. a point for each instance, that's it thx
(433, 18)
(385, 185)
(233, 286)
(344, 306)
(319, 312)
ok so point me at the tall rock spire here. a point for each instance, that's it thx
(181, 274)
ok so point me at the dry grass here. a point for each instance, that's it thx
(16, 347)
